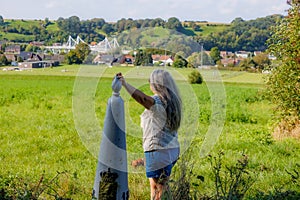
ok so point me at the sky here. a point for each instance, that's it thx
(112, 10)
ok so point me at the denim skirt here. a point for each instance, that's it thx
(159, 163)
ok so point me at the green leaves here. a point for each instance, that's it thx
(283, 85)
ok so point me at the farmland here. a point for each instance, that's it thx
(39, 137)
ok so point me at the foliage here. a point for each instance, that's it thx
(295, 175)
(143, 58)
(58, 187)
(231, 182)
(241, 35)
(283, 84)
(3, 60)
(179, 62)
(215, 54)
(181, 184)
(195, 77)
(78, 55)
(32, 48)
(38, 133)
(262, 61)
(174, 23)
(256, 63)
(1, 20)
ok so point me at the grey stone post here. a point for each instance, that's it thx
(111, 180)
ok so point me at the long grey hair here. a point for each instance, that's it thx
(165, 87)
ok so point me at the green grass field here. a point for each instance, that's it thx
(38, 135)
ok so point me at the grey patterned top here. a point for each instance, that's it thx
(155, 133)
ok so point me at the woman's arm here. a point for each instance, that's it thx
(139, 96)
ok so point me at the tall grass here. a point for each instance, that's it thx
(38, 136)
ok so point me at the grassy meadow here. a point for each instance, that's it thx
(39, 140)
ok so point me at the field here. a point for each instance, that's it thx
(40, 137)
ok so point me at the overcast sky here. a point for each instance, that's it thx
(113, 10)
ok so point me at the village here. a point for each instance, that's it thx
(16, 59)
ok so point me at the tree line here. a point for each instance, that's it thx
(240, 34)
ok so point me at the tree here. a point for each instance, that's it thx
(262, 61)
(1, 20)
(195, 77)
(174, 23)
(143, 58)
(78, 55)
(194, 60)
(107, 28)
(3, 60)
(32, 48)
(247, 64)
(215, 54)
(72, 58)
(283, 84)
(82, 50)
(179, 62)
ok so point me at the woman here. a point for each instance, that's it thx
(160, 122)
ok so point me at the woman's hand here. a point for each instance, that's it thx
(121, 78)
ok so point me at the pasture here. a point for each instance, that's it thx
(39, 137)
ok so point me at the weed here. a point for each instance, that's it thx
(14, 188)
(231, 182)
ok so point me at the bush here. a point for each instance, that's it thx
(283, 83)
(195, 77)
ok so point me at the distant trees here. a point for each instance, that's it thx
(242, 35)
(70, 25)
(78, 55)
(239, 35)
(32, 48)
(283, 84)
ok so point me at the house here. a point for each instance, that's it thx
(55, 57)
(231, 61)
(104, 59)
(30, 56)
(38, 44)
(242, 54)
(163, 59)
(37, 64)
(257, 53)
(226, 54)
(24, 55)
(11, 57)
(31, 64)
(16, 49)
(126, 59)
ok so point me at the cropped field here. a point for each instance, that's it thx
(38, 135)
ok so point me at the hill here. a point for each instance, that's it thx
(238, 35)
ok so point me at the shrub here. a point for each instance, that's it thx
(195, 77)
(283, 83)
